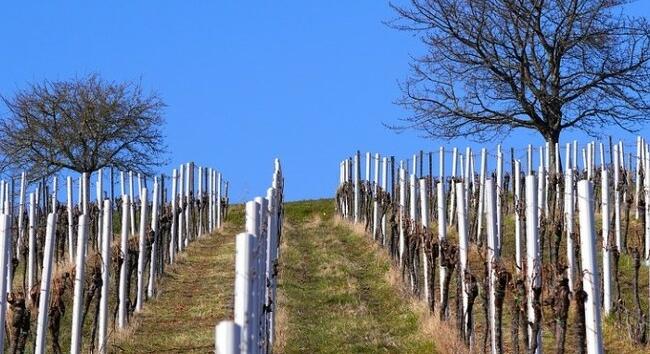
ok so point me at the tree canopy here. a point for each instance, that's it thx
(82, 124)
(492, 66)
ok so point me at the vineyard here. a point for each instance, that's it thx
(516, 260)
(77, 272)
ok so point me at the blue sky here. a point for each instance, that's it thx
(309, 82)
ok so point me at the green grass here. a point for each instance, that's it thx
(194, 296)
(334, 292)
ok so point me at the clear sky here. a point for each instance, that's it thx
(309, 82)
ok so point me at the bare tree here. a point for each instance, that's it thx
(82, 125)
(496, 65)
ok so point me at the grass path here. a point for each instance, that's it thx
(195, 294)
(335, 295)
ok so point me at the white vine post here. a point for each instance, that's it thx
(258, 272)
(210, 190)
(402, 214)
(499, 191)
(533, 264)
(481, 197)
(646, 190)
(463, 245)
(271, 259)
(122, 186)
(124, 247)
(199, 197)
(244, 245)
(189, 184)
(607, 281)
(70, 220)
(356, 187)
(79, 283)
(638, 177)
(174, 230)
(375, 189)
(492, 255)
(181, 213)
(227, 336)
(253, 228)
(107, 243)
(368, 157)
(21, 212)
(31, 260)
(218, 200)
(452, 201)
(518, 204)
(424, 217)
(568, 219)
(442, 234)
(141, 248)
(413, 199)
(99, 188)
(46, 278)
(5, 236)
(384, 183)
(530, 160)
(131, 203)
(154, 244)
(590, 276)
(469, 178)
(617, 199)
(541, 179)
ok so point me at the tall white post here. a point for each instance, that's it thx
(143, 234)
(384, 184)
(124, 247)
(368, 167)
(533, 262)
(413, 200)
(530, 160)
(79, 284)
(646, 190)
(356, 188)
(452, 201)
(617, 199)
(31, 260)
(21, 212)
(590, 276)
(499, 190)
(607, 273)
(174, 230)
(46, 278)
(375, 203)
(5, 236)
(70, 221)
(131, 203)
(218, 200)
(107, 242)
(424, 218)
(568, 219)
(518, 203)
(637, 189)
(481, 196)
(463, 246)
(100, 197)
(244, 244)
(492, 255)
(227, 335)
(468, 176)
(442, 233)
(541, 189)
(153, 266)
(402, 213)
